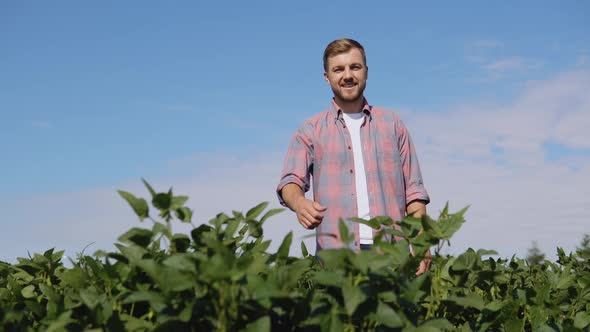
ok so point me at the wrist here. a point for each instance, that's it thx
(297, 202)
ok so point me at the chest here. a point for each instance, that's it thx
(335, 143)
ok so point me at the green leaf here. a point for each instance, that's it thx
(139, 205)
(566, 282)
(373, 223)
(50, 293)
(56, 257)
(197, 234)
(255, 228)
(167, 278)
(181, 262)
(181, 242)
(28, 292)
(582, 320)
(335, 258)
(328, 278)
(432, 228)
(383, 220)
(335, 324)
(472, 300)
(61, 322)
(466, 261)
(136, 324)
(160, 228)
(345, 235)
(155, 299)
(230, 229)
(184, 214)
(178, 201)
(140, 236)
(353, 296)
(133, 253)
(435, 325)
(187, 313)
(495, 305)
(283, 250)
(450, 224)
(162, 201)
(90, 297)
(270, 213)
(75, 278)
(304, 251)
(171, 325)
(262, 324)
(149, 188)
(387, 316)
(256, 211)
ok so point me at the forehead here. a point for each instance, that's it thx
(353, 56)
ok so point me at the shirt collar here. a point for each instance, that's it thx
(336, 111)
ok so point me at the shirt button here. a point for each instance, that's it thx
(349, 147)
(350, 171)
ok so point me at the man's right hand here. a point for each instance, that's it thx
(309, 213)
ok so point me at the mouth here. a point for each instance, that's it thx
(348, 85)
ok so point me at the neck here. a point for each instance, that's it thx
(354, 106)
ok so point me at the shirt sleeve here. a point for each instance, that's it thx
(298, 162)
(415, 189)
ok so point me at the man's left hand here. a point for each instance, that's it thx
(425, 263)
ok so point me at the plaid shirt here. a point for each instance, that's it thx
(322, 148)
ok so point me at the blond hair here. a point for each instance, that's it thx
(340, 46)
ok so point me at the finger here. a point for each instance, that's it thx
(313, 215)
(308, 220)
(420, 269)
(305, 223)
(317, 217)
(319, 207)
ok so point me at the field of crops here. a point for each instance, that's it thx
(222, 278)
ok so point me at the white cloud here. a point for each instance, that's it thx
(516, 195)
(489, 56)
(479, 50)
(70, 221)
(499, 68)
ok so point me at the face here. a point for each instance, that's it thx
(347, 76)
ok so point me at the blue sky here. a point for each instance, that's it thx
(95, 96)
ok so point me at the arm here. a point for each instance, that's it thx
(295, 179)
(309, 213)
(415, 190)
(416, 209)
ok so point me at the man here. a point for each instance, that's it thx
(361, 159)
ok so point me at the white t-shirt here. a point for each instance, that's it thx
(354, 122)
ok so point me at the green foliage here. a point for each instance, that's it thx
(221, 277)
(534, 255)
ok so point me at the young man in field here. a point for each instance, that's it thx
(360, 157)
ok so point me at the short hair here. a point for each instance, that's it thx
(340, 46)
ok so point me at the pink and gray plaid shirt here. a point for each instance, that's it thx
(322, 149)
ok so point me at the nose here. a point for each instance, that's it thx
(347, 73)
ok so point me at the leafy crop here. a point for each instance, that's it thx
(222, 277)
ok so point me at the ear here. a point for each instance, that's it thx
(367, 72)
(326, 78)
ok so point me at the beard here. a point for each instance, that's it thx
(349, 96)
